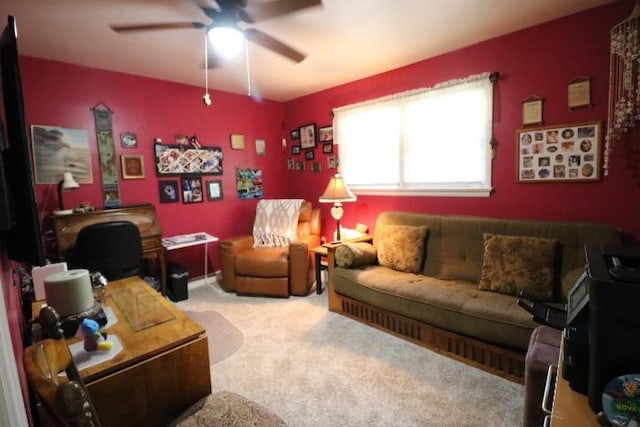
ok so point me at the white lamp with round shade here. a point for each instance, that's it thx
(337, 193)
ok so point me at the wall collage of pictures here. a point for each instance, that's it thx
(559, 153)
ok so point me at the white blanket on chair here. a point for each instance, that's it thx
(276, 222)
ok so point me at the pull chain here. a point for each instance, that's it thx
(206, 98)
(246, 55)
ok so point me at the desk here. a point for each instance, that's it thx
(67, 227)
(163, 367)
(185, 240)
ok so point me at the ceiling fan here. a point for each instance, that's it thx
(228, 14)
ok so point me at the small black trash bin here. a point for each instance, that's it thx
(178, 278)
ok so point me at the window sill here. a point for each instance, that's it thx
(444, 192)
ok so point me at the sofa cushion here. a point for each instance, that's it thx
(452, 305)
(512, 263)
(355, 254)
(402, 247)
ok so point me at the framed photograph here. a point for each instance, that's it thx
(300, 166)
(316, 167)
(291, 164)
(178, 160)
(308, 136)
(295, 149)
(261, 147)
(169, 191)
(579, 92)
(331, 162)
(327, 148)
(560, 153)
(214, 190)
(192, 190)
(532, 111)
(237, 142)
(325, 134)
(249, 184)
(128, 140)
(132, 166)
(309, 155)
(295, 134)
(48, 145)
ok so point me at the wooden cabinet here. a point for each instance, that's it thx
(67, 227)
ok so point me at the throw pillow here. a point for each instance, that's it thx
(511, 263)
(402, 247)
(355, 254)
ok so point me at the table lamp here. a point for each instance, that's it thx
(67, 184)
(336, 193)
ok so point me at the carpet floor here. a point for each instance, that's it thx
(316, 368)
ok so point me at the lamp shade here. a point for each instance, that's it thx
(68, 183)
(337, 191)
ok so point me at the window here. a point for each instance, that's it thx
(430, 141)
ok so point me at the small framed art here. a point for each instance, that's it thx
(308, 136)
(325, 134)
(295, 149)
(532, 111)
(132, 166)
(214, 190)
(168, 191)
(295, 134)
(261, 147)
(327, 148)
(237, 142)
(128, 140)
(579, 92)
(309, 155)
(192, 190)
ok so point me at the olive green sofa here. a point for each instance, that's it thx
(441, 306)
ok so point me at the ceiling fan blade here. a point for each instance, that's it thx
(273, 44)
(156, 26)
(262, 11)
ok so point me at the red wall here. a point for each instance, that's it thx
(536, 61)
(60, 94)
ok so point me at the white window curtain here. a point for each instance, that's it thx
(435, 140)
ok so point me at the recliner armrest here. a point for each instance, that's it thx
(227, 250)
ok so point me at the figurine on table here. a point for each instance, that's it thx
(93, 338)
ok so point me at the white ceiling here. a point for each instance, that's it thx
(345, 40)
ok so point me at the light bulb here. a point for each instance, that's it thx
(226, 41)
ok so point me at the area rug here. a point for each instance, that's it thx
(315, 368)
(226, 409)
(224, 338)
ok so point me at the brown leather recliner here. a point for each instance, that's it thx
(277, 272)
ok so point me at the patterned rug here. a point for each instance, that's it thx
(226, 409)
(224, 338)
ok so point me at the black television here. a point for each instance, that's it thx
(20, 229)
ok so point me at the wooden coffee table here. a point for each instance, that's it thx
(163, 367)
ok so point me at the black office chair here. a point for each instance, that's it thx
(113, 248)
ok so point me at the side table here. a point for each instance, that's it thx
(319, 252)
(185, 240)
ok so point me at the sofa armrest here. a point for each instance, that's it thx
(300, 262)
(227, 250)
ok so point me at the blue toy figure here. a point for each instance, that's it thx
(93, 339)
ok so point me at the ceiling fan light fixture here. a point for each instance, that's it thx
(226, 40)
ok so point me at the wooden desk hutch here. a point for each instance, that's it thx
(67, 227)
